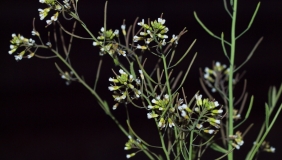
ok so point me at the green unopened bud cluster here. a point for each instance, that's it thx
(155, 31)
(237, 140)
(217, 74)
(208, 111)
(107, 42)
(124, 85)
(266, 147)
(132, 144)
(53, 5)
(20, 41)
(204, 116)
(158, 107)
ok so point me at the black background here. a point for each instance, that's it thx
(42, 118)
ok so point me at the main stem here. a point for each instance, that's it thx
(230, 81)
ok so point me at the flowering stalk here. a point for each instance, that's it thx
(230, 81)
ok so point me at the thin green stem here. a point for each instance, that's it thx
(191, 146)
(230, 81)
(102, 103)
(167, 83)
(162, 142)
(258, 144)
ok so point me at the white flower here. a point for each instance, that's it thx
(240, 142)
(54, 18)
(34, 33)
(42, 1)
(236, 146)
(18, 57)
(198, 97)
(151, 115)
(130, 155)
(115, 106)
(149, 40)
(166, 96)
(136, 38)
(130, 78)
(143, 33)
(216, 103)
(272, 149)
(160, 20)
(96, 43)
(30, 55)
(199, 126)
(210, 131)
(112, 88)
(163, 36)
(12, 51)
(141, 23)
(217, 111)
(217, 64)
(238, 116)
(43, 12)
(12, 46)
(121, 71)
(150, 107)
(102, 29)
(123, 95)
(111, 79)
(48, 44)
(183, 106)
(31, 42)
(141, 47)
(123, 27)
(48, 22)
(116, 32)
(141, 74)
(206, 75)
(161, 123)
(174, 39)
(163, 43)
(158, 97)
(165, 30)
(217, 121)
(170, 123)
(66, 4)
(183, 113)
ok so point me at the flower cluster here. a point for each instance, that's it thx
(20, 41)
(154, 32)
(68, 76)
(236, 115)
(107, 43)
(204, 112)
(160, 105)
(266, 147)
(52, 5)
(123, 87)
(237, 140)
(217, 74)
(131, 144)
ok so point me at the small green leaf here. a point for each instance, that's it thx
(132, 72)
(267, 115)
